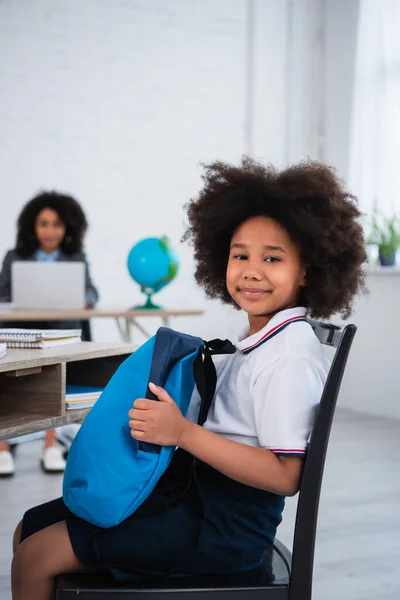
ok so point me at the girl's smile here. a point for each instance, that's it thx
(255, 293)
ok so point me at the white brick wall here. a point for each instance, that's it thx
(117, 102)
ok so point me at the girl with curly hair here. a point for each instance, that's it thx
(50, 227)
(278, 245)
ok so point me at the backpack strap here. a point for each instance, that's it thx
(169, 348)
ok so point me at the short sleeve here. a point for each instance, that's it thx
(286, 397)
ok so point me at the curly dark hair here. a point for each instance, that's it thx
(69, 212)
(309, 201)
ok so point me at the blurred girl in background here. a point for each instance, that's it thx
(50, 227)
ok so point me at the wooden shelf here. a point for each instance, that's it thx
(33, 382)
(19, 358)
(8, 429)
(383, 271)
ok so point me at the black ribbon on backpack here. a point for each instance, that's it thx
(205, 374)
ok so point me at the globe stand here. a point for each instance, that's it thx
(148, 305)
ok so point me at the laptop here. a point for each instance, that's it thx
(39, 285)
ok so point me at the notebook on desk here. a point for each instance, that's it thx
(39, 338)
(39, 285)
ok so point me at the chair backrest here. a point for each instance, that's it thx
(308, 502)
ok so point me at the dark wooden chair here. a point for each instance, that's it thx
(284, 575)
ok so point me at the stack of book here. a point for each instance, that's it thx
(81, 396)
(39, 338)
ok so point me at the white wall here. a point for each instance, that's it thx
(117, 102)
(341, 19)
(371, 383)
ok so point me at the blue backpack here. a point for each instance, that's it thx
(109, 475)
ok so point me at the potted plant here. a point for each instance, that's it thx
(385, 233)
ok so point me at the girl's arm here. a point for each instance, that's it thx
(256, 467)
(161, 422)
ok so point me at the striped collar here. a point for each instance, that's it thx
(278, 322)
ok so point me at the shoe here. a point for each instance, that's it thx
(7, 466)
(65, 437)
(52, 460)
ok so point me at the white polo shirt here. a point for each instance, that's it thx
(268, 391)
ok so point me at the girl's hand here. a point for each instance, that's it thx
(158, 422)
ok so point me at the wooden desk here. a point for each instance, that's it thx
(32, 383)
(124, 319)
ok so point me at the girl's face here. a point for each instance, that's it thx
(49, 230)
(264, 271)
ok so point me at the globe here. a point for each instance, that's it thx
(152, 264)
